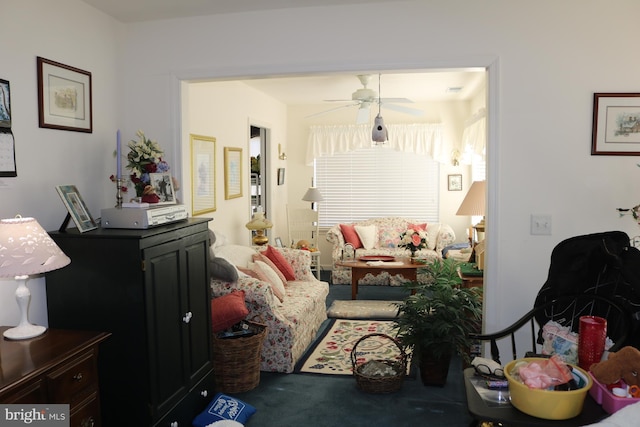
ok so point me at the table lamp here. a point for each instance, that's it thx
(474, 205)
(258, 224)
(312, 195)
(25, 249)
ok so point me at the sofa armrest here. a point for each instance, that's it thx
(300, 260)
(334, 235)
(446, 237)
(258, 296)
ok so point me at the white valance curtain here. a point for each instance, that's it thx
(423, 139)
(474, 136)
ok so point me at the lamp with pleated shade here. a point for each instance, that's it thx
(313, 195)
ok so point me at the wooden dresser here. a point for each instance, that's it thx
(150, 290)
(60, 366)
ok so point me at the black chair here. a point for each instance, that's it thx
(565, 310)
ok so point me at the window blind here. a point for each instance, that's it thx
(377, 182)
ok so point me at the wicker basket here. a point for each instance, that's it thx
(236, 361)
(379, 384)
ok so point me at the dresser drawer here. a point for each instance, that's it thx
(86, 413)
(29, 393)
(72, 378)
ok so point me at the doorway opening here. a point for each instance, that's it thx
(258, 169)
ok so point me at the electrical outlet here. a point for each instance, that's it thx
(541, 225)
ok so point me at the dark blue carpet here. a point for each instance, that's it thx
(296, 400)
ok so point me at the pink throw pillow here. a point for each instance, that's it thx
(262, 257)
(418, 227)
(228, 310)
(350, 235)
(281, 262)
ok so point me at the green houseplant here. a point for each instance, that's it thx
(436, 321)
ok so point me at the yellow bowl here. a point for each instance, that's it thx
(547, 404)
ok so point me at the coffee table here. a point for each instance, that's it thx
(359, 269)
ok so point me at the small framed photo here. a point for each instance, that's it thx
(5, 104)
(455, 182)
(278, 242)
(64, 97)
(161, 182)
(76, 208)
(232, 172)
(616, 124)
(280, 176)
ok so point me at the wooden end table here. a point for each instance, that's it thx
(359, 269)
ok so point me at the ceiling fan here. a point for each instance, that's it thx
(364, 97)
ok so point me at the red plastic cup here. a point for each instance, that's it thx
(591, 339)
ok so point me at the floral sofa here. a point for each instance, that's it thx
(291, 324)
(383, 240)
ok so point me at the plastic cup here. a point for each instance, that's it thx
(591, 339)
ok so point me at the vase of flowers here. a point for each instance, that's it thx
(413, 240)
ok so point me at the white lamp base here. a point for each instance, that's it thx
(24, 330)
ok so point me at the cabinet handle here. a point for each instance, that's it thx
(204, 393)
(78, 377)
(174, 424)
(88, 422)
(187, 317)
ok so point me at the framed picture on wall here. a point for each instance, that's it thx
(280, 176)
(64, 97)
(455, 182)
(5, 104)
(616, 124)
(232, 172)
(203, 174)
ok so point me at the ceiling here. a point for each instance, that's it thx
(418, 86)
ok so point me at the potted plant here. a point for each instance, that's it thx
(435, 322)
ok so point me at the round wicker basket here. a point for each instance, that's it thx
(379, 383)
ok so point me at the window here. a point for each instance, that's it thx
(377, 182)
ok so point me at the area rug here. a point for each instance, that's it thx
(331, 354)
(363, 309)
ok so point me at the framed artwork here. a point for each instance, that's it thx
(162, 183)
(7, 154)
(76, 209)
(616, 124)
(232, 172)
(280, 176)
(64, 97)
(278, 241)
(455, 182)
(5, 104)
(203, 174)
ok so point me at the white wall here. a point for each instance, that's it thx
(547, 59)
(75, 34)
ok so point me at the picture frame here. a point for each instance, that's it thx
(616, 124)
(7, 154)
(5, 104)
(278, 242)
(280, 176)
(64, 97)
(163, 184)
(203, 174)
(454, 182)
(232, 172)
(76, 208)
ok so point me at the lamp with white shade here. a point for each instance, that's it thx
(474, 205)
(313, 195)
(26, 249)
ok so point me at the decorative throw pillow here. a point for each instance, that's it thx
(224, 407)
(236, 254)
(281, 262)
(266, 260)
(221, 269)
(266, 274)
(368, 235)
(228, 310)
(350, 235)
(418, 227)
(249, 272)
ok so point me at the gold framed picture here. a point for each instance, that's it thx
(203, 174)
(232, 172)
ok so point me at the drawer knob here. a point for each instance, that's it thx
(187, 317)
(204, 393)
(78, 377)
(88, 422)
(174, 424)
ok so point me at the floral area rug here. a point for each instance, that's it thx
(331, 354)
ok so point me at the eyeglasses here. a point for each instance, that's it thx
(485, 370)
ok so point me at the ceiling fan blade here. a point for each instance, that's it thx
(402, 109)
(331, 110)
(396, 100)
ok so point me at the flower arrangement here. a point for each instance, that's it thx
(144, 157)
(414, 240)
